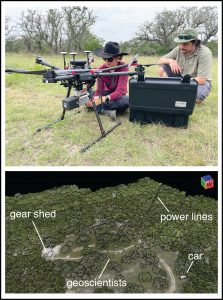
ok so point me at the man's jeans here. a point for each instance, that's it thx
(203, 90)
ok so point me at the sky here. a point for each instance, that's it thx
(116, 20)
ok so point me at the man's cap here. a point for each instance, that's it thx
(187, 35)
(110, 49)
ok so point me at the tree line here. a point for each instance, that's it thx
(156, 37)
(69, 29)
(52, 31)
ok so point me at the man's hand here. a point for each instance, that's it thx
(174, 66)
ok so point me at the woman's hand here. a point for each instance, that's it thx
(98, 100)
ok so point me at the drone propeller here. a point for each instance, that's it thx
(41, 61)
(134, 60)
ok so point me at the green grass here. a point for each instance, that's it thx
(31, 104)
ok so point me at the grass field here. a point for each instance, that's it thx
(29, 104)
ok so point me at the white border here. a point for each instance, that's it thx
(24, 168)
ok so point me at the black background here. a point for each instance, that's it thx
(35, 181)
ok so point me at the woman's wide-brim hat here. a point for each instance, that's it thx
(110, 49)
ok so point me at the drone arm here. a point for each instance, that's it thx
(118, 74)
(112, 68)
(39, 72)
(62, 78)
(149, 65)
(133, 62)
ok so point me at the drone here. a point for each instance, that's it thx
(151, 100)
(81, 77)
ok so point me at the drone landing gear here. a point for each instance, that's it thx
(61, 118)
(103, 132)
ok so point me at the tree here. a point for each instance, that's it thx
(54, 29)
(134, 288)
(86, 251)
(126, 259)
(160, 282)
(136, 45)
(9, 33)
(144, 277)
(168, 23)
(92, 42)
(83, 239)
(41, 30)
(115, 266)
(32, 29)
(77, 20)
(65, 249)
(163, 28)
(204, 19)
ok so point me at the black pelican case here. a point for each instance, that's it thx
(166, 100)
